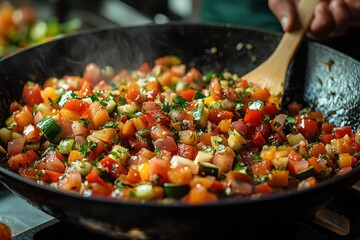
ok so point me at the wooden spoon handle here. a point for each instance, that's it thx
(290, 41)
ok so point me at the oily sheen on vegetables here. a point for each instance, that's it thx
(170, 133)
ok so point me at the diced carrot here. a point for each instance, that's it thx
(129, 128)
(199, 194)
(75, 155)
(279, 178)
(318, 163)
(98, 114)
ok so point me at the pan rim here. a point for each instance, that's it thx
(223, 202)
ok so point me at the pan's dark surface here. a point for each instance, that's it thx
(332, 90)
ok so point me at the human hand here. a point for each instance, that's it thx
(332, 18)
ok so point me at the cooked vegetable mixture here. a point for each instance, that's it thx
(166, 133)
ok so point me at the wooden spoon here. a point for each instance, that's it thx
(271, 73)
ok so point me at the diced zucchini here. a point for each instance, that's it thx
(208, 169)
(309, 172)
(10, 122)
(236, 141)
(43, 108)
(2, 150)
(203, 156)
(126, 109)
(177, 191)
(111, 105)
(201, 115)
(280, 163)
(49, 127)
(33, 146)
(224, 84)
(65, 146)
(119, 153)
(144, 192)
(15, 135)
(294, 139)
(216, 142)
(5, 135)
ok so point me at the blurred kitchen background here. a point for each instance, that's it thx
(26, 22)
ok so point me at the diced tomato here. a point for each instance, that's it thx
(133, 175)
(178, 70)
(327, 127)
(307, 127)
(160, 131)
(168, 143)
(326, 138)
(242, 84)
(50, 176)
(31, 94)
(319, 164)
(101, 147)
(150, 106)
(224, 159)
(215, 89)
(230, 94)
(156, 116)
(153, 89)
(240, 127)
(261, 168)
(22, 160)
(258, 140)
(145, 68)
(296, 167)
(85, 89)
(187, 151)
(114, 168)
(133, 94)
(159, 167)
(294, 108)
(253, 117)
(293, 155)
(271, 109)
(217, 187)
(340, 132)
(76, 105)
(216, 115)
(138, 143)
(235, 175)
(30, 173)
(92, 74)
(14, 106)
(93, 177)
(263, 188)
(23, 118)
(188, 94)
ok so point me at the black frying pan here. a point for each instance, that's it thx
(311, 80)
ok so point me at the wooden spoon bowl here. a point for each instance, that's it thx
(271, 74)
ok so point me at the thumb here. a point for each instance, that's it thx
(285, 11)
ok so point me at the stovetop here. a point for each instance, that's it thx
(339, 220)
